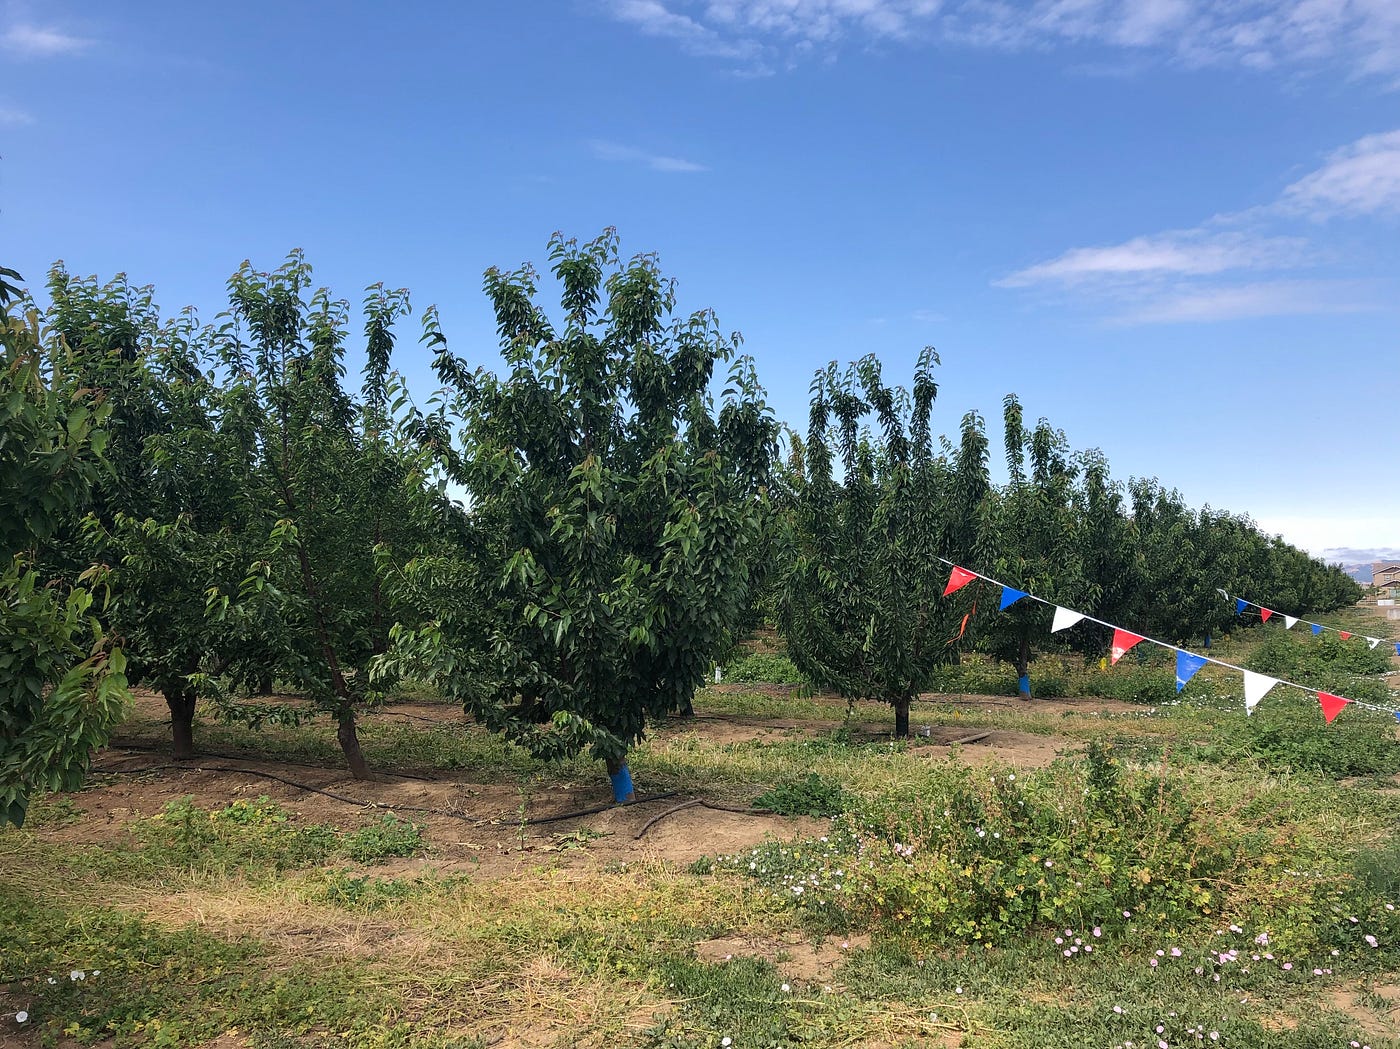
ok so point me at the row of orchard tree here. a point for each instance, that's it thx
(563, 546)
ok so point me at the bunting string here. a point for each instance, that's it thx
(1289, 622)
(1256, 685)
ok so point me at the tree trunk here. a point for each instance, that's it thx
(687, 710)
(1023, 668)
(181, 703)
(265, 685)
(901, 717)
(349, 740)
(621, 778)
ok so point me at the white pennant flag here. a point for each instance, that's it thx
(1255, 687)
(1289, 622)
(1222, 593)
(1374, 641)
(1064, 618)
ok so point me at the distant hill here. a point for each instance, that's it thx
(1356, 562)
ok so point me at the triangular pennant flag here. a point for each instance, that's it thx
(1316, 628)
(1397, 648)
(959, 578)
(1374, 641)
(1241, 604)
(1289, 622)
(1122, 641)
(1331, 705)
(1255, 688)
(1009, 596)
(1186, 667)
(1264, 614)
(1345, 635)
(1066, 618)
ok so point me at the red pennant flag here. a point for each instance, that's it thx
(1264, 614)
(959, 579)
(1345, 635)
(1122, 641)
(1331, 705)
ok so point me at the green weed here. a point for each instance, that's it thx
(391, 836)
(813, 795)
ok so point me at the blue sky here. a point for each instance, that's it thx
(1170, 226)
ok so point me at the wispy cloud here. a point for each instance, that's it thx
(1177, 253)
(33, 41)
(612, 151)
(10, 116)
(1273, 298)
(1225, 268)
(1258, 34)
(654, 18)
(1361, 179)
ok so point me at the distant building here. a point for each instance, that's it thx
(1385, 575)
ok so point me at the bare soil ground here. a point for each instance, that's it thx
(479, 827)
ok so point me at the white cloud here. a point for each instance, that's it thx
(1200, 274)
(31, 41)
(13, 117)
(1337, 537)
(1178, 253)
(1360, 179)
(655, 19)
(656, 162)
(1278, 298)
(1258, 34)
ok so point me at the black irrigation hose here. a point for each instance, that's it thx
(657, 819)
(375, 804)
(605, 808)
(281, 761)
(719, 806)
(291, 783)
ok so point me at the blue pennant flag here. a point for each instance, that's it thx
(1317, 628)
(1186, 667)
(1241, 604)
(1010, 596)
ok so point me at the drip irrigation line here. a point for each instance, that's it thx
(418, 717)
(716, 805)
(291, 783)
(604, 808)
(671, 811)
(747, 810)
(380, 805)
(279, 761)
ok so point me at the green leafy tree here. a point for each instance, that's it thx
(616, 506)
(171, 516)
(1037, 529)
(62, 686)
(339, 489)
(861, 603)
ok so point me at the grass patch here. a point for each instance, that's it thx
(1209, 829)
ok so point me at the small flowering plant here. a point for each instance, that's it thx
(991, 852)
(51, 985)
